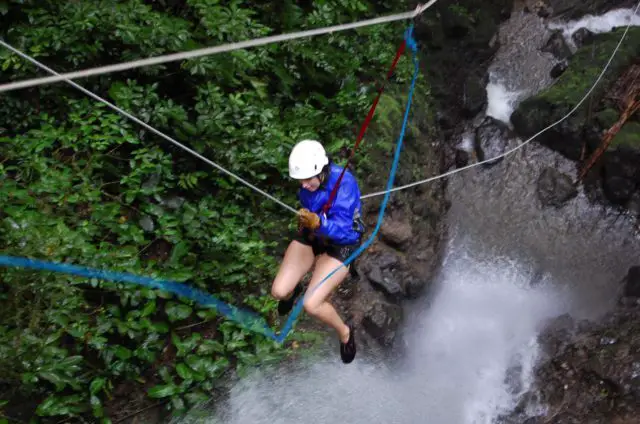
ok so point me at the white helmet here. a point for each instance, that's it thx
(307, 159)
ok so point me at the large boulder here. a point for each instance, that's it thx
(491, 140)
(557, 46)
(396, 232)
(570, 136)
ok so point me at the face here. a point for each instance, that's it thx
(311, 184)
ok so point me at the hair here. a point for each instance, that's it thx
(325, 171)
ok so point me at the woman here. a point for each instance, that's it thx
(326, 239)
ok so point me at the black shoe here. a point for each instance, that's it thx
(348, 350)
(284, 306)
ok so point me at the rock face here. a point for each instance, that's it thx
(461, 41)
(401, 262)
(382, 321)
(617, 172)
(590, 373)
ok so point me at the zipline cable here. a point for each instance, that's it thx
(518, 147)
(147, 126)
(67, 79)
(212, 50)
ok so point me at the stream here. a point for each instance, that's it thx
(509, 266)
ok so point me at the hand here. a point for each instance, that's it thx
(308, 219)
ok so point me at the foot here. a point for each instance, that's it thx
(348, 346)
(284, 306)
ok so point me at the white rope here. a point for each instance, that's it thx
(455, 171)
(211, 50)
(149, 127)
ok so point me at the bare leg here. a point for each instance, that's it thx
(298, 260)
(315, 302)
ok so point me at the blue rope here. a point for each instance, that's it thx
(248, 319)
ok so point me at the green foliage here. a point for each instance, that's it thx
(80, 183)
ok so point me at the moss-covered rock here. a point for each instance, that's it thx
(535, 113)
(457, 41)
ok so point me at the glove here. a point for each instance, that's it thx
(308, 219)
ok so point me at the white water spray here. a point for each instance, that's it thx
(597, 24)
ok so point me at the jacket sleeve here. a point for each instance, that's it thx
(339, 218)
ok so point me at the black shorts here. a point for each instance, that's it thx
(319, 245)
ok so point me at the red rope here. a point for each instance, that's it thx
(363, 129)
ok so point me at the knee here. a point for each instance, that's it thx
(311, 305)
(278, 292)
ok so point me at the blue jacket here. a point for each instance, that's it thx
(342, 223)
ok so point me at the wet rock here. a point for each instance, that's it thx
(582, 37)
(557, 333)
(491, 139)
(383, 271)
(544, 11)
(589, 374)
(461, 158)
(557, 46)
(381, 320)
(414, 286)
(387, 259)
(445, 120)
(534, 114)
(632, 282)
(555, 188)
(475, 94)
(620, 173)
(385, 280)
(395, 232)
(558, 69)
(633, 206)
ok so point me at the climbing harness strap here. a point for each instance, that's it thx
(363, 128)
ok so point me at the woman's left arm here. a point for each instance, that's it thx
(339, 218)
